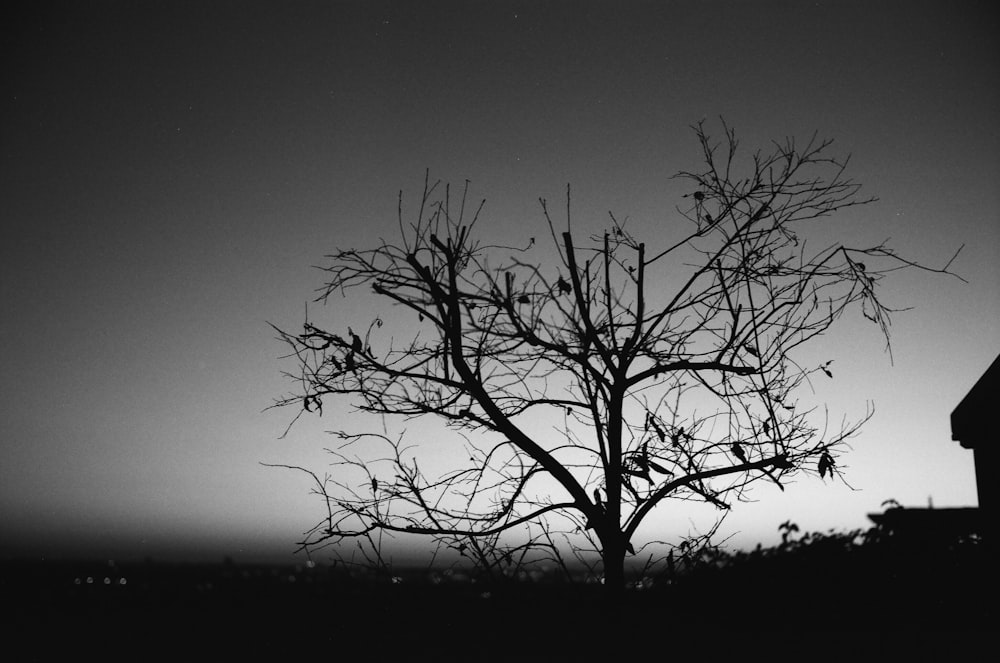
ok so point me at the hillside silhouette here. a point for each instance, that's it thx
(871, 589)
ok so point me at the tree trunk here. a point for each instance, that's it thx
(614, 574)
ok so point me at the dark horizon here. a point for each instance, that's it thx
(927, 596)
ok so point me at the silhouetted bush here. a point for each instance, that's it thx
(857, 578)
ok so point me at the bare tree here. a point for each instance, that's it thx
(590, 391)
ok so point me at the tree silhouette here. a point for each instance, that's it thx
(594, 387)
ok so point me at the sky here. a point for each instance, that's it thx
(173, 171)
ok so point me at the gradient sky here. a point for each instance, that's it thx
(171, 171)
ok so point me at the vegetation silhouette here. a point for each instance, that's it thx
(867, 591)
(588, 386)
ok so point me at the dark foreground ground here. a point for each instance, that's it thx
(805, 604)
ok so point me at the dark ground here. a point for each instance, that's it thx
(836, 603)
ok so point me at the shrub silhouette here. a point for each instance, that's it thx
(858, 578)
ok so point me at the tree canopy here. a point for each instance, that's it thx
(589, 390)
